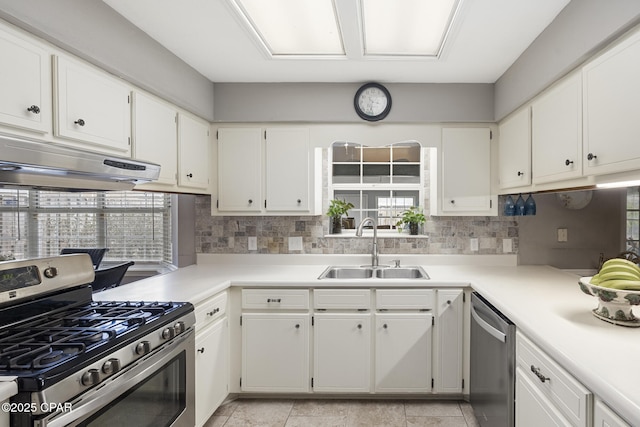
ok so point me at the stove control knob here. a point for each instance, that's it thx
(111, 366)
(168, 333)
(143, 348)
(90, 378)
(179, 328)
(50, 272)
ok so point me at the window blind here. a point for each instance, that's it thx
(133, 225)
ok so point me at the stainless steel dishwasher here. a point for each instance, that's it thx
(492, 388)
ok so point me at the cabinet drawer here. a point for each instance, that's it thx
(275, 299)
(342, 299)
(211, 309)
(570, 397)
(405, 299)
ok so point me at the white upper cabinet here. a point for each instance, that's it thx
(514, 150)
(193, 152)
(91, 107)
(556, 132)
(239, 169)
(465, 173)
(25, 83)
(155, 135)
(287, 169)
(266, 171)
(611, 109)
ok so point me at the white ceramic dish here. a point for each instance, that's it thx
(614, 305)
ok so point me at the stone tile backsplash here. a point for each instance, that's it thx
(445, 235)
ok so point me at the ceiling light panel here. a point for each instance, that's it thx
(294, 27)
(406, 27)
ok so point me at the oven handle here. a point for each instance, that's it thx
(487, 327)
(113, 387)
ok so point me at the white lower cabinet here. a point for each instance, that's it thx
(275, 352)
(403, 352)
(342, 352)
(534, 409)
(546, 394)
(212, 369)
(603, 416)
(449, 341)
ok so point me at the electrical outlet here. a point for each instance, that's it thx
(253, 243)
(563, 235)
(507, 246)
(473, 244)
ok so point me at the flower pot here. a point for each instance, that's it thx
(335, 225)
(413, 228)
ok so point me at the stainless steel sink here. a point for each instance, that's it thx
(347, 273)
(366, 272)
(402, 273)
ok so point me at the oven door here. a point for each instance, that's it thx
(158, 391)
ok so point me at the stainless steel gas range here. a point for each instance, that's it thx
(80, 362)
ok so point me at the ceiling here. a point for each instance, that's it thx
(486, 38)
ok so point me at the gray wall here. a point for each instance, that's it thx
(93, 31)
(333, 102)
(597, 228)
(579, 31)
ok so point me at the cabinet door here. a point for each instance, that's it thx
(275, 352)
(287, 169)
(25, 83)
(193, 152)
(212, 369)
(91, 107)
(466, 170)
(342, 352)
(603, 416)
(514, 150)
(403, 352)
(533, 409)
(239, 169)
(611, 110)
(556, 132)
(155, 135)
(449, 341)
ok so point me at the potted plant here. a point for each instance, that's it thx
(337, 209)
(413, 217)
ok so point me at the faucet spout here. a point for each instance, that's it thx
(374, 248)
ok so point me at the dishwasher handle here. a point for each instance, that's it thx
(487, 327)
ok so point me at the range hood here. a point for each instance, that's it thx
(29, 163)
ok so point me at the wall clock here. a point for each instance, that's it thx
(372, 102)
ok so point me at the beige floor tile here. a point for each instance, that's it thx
(467, 411)
(426, 408)
(260, 413)
(216, 421)
(227, 408)
(317, 421)
(436, 421)
(317, 408)
(376, 413)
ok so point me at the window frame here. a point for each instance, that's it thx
(390, 187)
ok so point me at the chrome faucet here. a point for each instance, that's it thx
(374, 249)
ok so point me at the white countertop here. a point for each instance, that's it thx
(545, 303)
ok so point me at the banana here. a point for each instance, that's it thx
(629, 285)
(617, 275)
(620, 262)
(617, 267)
(595, 279)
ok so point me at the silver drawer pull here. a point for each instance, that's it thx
(274, 299)
(214, 311)
(538, 374)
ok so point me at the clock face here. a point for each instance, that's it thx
(372, 102)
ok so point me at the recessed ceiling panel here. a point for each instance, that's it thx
(406, 27)
(294, 27)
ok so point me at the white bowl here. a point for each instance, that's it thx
(614, 305)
